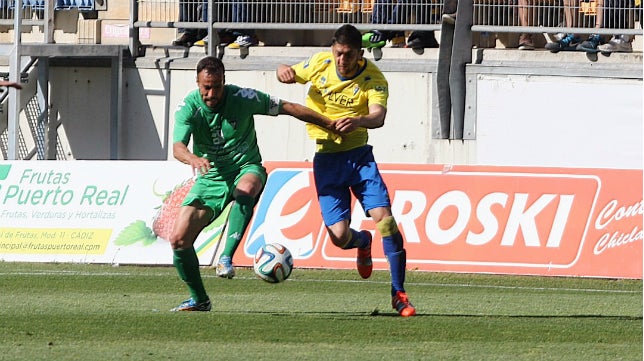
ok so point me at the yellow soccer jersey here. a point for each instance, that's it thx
(338, 97)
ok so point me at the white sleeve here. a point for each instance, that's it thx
(274, 106)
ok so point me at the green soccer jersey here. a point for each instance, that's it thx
(226, 134)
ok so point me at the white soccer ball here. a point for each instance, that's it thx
(273, 263)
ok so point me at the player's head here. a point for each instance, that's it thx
(347, 50)
(211, 80)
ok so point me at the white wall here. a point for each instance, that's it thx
(520, 119)
(559, 121)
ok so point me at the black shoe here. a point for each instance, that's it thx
(422, 40)
(590, 45)
(567, 43)
(186, 40)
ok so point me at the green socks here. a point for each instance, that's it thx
(187, 265)
(240, 214)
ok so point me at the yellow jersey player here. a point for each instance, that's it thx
(352, 91)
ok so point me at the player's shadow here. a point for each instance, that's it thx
(378, 313)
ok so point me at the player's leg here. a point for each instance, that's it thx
(189, 223)
(392, 243)
(248, 187)
(374, 197)
(348, 238)
(332, 180)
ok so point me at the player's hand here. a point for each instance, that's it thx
(285, 74)
(346, 125)
(200, 165)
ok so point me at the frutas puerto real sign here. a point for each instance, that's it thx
(514, 220)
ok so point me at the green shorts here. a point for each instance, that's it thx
(216, 194)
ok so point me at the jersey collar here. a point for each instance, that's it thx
(362, 67)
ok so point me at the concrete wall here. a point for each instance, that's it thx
(547, 113)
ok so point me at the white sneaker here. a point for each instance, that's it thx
(616, 45)
(225, 267)
(243, 41)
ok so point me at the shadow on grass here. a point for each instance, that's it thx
(378, 313)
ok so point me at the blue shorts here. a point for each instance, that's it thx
(337, 175)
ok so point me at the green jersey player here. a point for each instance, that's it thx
(218, 118)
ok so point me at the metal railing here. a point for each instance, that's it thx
(502, 16)
(491, 15)
(509, 16)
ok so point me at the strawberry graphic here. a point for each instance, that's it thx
(167, 213)
(163, 222)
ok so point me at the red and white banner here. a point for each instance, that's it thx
(509, 220)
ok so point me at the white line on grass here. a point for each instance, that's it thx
(426, 284)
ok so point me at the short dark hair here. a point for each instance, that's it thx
(349, 35)
(211, 65)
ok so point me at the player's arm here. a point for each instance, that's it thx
(184, 155)
(307, 115)
(375, 119)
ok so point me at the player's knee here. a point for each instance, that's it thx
(387, 226)
(391, 237)
(177, 242)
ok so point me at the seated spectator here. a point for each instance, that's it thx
(379, 38)
(234, 38)
(421, 40)
(526, 14)
(189, 12)
(388, 12)
(384, 12)
(615, 16)
(618, 44)
(566, 42)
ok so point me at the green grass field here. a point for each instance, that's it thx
(99, 312)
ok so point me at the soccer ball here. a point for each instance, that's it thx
(273, 263)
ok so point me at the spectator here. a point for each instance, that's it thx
(189, 12)
(618, 44)
(218, 119)
(388, 12)
(353, 92)
(421, 39)
(235, 38)
(616, 16)
(594, 40)
(384, 12)
(566, 42)
(526, 15)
